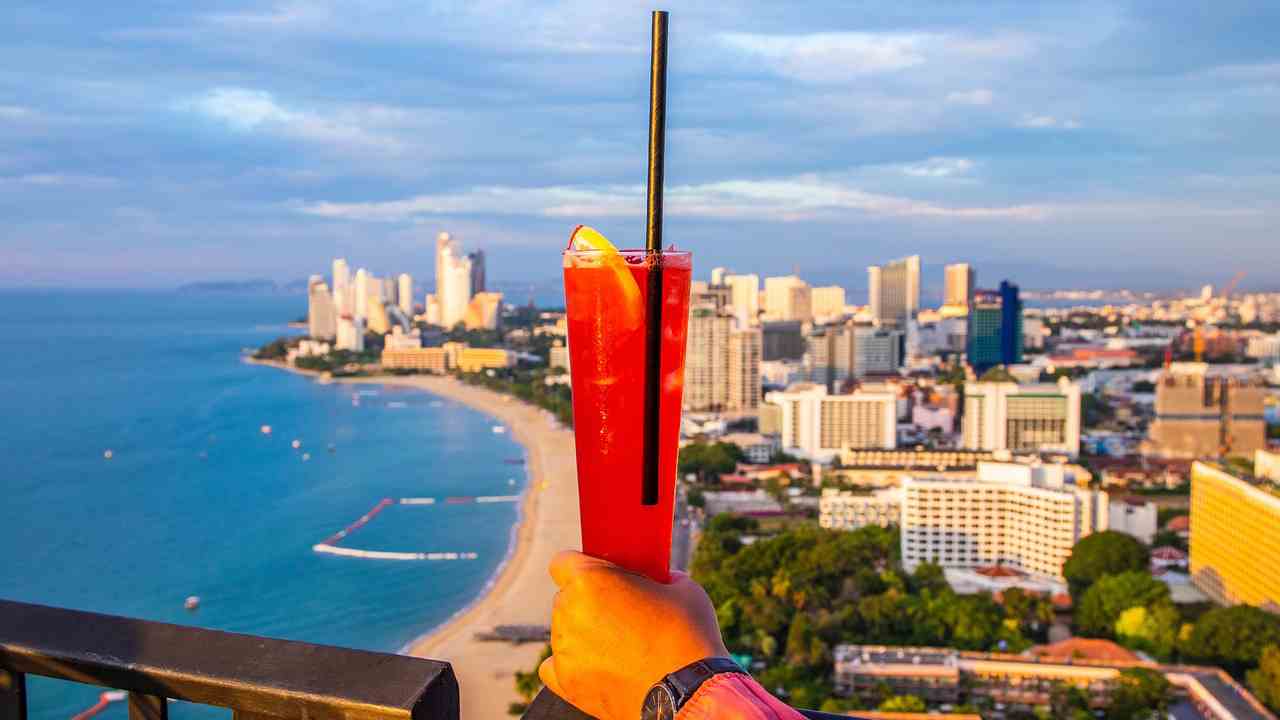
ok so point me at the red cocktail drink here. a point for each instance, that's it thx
(607, 296)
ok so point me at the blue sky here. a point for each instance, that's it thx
(146, 144)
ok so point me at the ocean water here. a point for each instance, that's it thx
(197, 501)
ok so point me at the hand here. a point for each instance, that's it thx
(615, 633)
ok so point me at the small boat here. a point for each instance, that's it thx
(511, 481)
(192, 603)
(306, 457)
(397, 404)
(498, 429)
(108, 455)
(265, 429)
(296, 444)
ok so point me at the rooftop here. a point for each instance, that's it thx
(1083, 649)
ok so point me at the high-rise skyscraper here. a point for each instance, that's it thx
(361, 294)
(827, 302)
(960, 286)
(404, 293)
(477, 271)
(788, 298)
(744, 293)
(839, 352)
(894, 291)
(341, 286)
(722, 359)
(995, 328)
(321, 315)
(453, 281)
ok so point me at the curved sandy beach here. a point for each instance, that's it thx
(521, 593)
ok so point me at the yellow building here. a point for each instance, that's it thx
(433, 359)
(1235, 537)
(469, 359)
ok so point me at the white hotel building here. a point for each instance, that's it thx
(1035, 418)
(1026, 517)
(818, 426)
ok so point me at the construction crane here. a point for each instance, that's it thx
(1231, 286)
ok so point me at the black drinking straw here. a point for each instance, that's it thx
(653, 250)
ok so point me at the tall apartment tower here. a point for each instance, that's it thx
(894, 291)
(341, 286)
(322, 319)
(828, 302)
(960, 284)
(453, 280)
(361, 292)
(1203, 415)
(995, 328)
(744, 293)
(404, 293)
(722, 360)
(839, 352)
(746, 347)
(787, 298)
(477, 271)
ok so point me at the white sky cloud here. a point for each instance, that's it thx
(797, 198)
(250, 110)
(981, 96)
(55, 179)
(1047, 121)
(938, 167)
(837, 56)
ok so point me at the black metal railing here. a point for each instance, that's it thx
(548, 706)
(256, 677)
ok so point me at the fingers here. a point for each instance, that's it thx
(568, 564)
(547, 671)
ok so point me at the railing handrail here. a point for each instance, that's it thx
(252, 675)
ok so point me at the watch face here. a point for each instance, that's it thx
(658, 704)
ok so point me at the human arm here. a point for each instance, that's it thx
(614, 634)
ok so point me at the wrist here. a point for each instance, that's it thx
(673, 691)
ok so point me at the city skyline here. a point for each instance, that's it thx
(219, 144)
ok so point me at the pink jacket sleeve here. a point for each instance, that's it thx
(734, 696)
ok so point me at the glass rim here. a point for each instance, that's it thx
(625, 251)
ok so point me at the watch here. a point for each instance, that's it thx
(670, 693)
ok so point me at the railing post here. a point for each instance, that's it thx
(148, 707)
(13, 695)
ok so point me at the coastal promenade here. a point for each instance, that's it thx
(522, 591)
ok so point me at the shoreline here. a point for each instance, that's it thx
(519, 592)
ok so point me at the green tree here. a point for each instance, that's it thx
(1068, 701)
(1104, 553)
(528, 683)
(903, 703)
(1232, 638)
(1105, 600)
(708, 460)
(1152, 629)
(695, 498)
(1265, 680)
(1140, 694)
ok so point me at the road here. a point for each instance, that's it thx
(681, 534)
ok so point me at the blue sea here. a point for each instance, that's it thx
(195, 500)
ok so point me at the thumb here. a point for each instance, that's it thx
(547, 671)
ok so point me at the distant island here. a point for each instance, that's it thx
(246, 287)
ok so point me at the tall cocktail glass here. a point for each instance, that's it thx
(607, 293)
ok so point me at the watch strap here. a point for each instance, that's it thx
(684, 682)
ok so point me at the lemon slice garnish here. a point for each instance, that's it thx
(630, 310)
